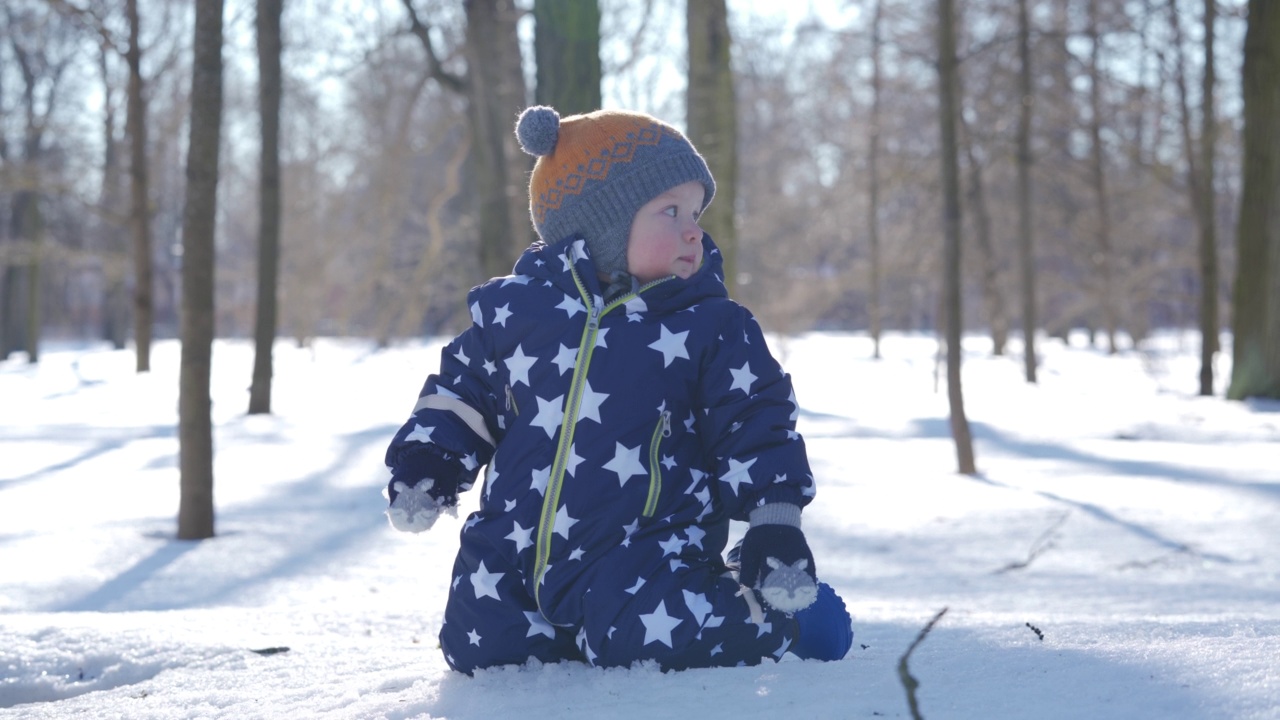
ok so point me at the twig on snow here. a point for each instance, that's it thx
(909, 683)
(1042, 543)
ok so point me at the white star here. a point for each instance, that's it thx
(676, 564)
(476, 317)
(672, 546)
(636, 588)
(698, 605)
(600, 341)
(462, 357)
(658, 625)
(576, 554)
(490, 476)
(470, 462)
(521, 536)
(742, 378)
(489, 367)
(695, 534)
(516, 279)
(518, 366)
(538, 625)
(626, 463)
(563, 522)
(571, 305)
(501, 314)
(485, 583)
(550, 415)
(419, 434)
(590, 406)
(628, 531)
(780, 478)
(738, 473)
(508, 505)
(795, 414)
(474, 637)
(668, 462)
(456, 581)
(671, 345)
(635, 306)
(574, 460)
(688, 424)
(565, 358)
(538, 483)
(719, 648)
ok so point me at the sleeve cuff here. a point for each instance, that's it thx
(777, 513)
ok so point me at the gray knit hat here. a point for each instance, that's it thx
(595, 171)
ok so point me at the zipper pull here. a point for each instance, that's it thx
(666, 423)
(511, 402)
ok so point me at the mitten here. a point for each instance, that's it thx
(775, 559)
(423, 485)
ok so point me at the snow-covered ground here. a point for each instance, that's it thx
(1115, 558)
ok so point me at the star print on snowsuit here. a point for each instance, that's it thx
(620, 438)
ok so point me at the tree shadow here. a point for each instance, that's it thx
(334, 534)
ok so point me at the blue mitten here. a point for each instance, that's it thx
(776, 560)
(423, 485)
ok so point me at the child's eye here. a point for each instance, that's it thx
(671, 211)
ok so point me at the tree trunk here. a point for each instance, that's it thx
(1209, 325)
(874, 310)
(713, 120)
(1255, 370)
(992, 298)
(140, 209)
(566, 44)
(1102, 257)
(115, 314)
(1026, 245)
(496, 94)
(195, 435)
(269, 92)
(947, 107)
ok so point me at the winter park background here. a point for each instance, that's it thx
(1115, 557)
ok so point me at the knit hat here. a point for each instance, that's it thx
(595, 171)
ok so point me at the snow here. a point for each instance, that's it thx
(1129, 522)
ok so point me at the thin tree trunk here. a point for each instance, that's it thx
(140, 210)
(1209, 287)
(195, 434)
(269, 91)
(992, 297)
(1026, 245)
(713, 120)
(1102, 258)
(947, 110)
(874, 310)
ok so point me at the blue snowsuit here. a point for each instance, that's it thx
(619, 438)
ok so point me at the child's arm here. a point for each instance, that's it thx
(449, 436)
(761, 463)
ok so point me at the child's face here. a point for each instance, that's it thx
(665, 238)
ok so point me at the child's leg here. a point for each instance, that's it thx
(490, 620)
(685, 618)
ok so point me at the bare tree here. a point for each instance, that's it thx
(139, 194)
(566, 44)
(1255, 370)
(1026, 244)
(195, 431)
(874, 311)
(951, 221)
(269, 91)
(713, 120)
(495, 92)
(1102, 257)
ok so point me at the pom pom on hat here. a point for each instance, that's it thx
(538, 129)
(595, 171)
